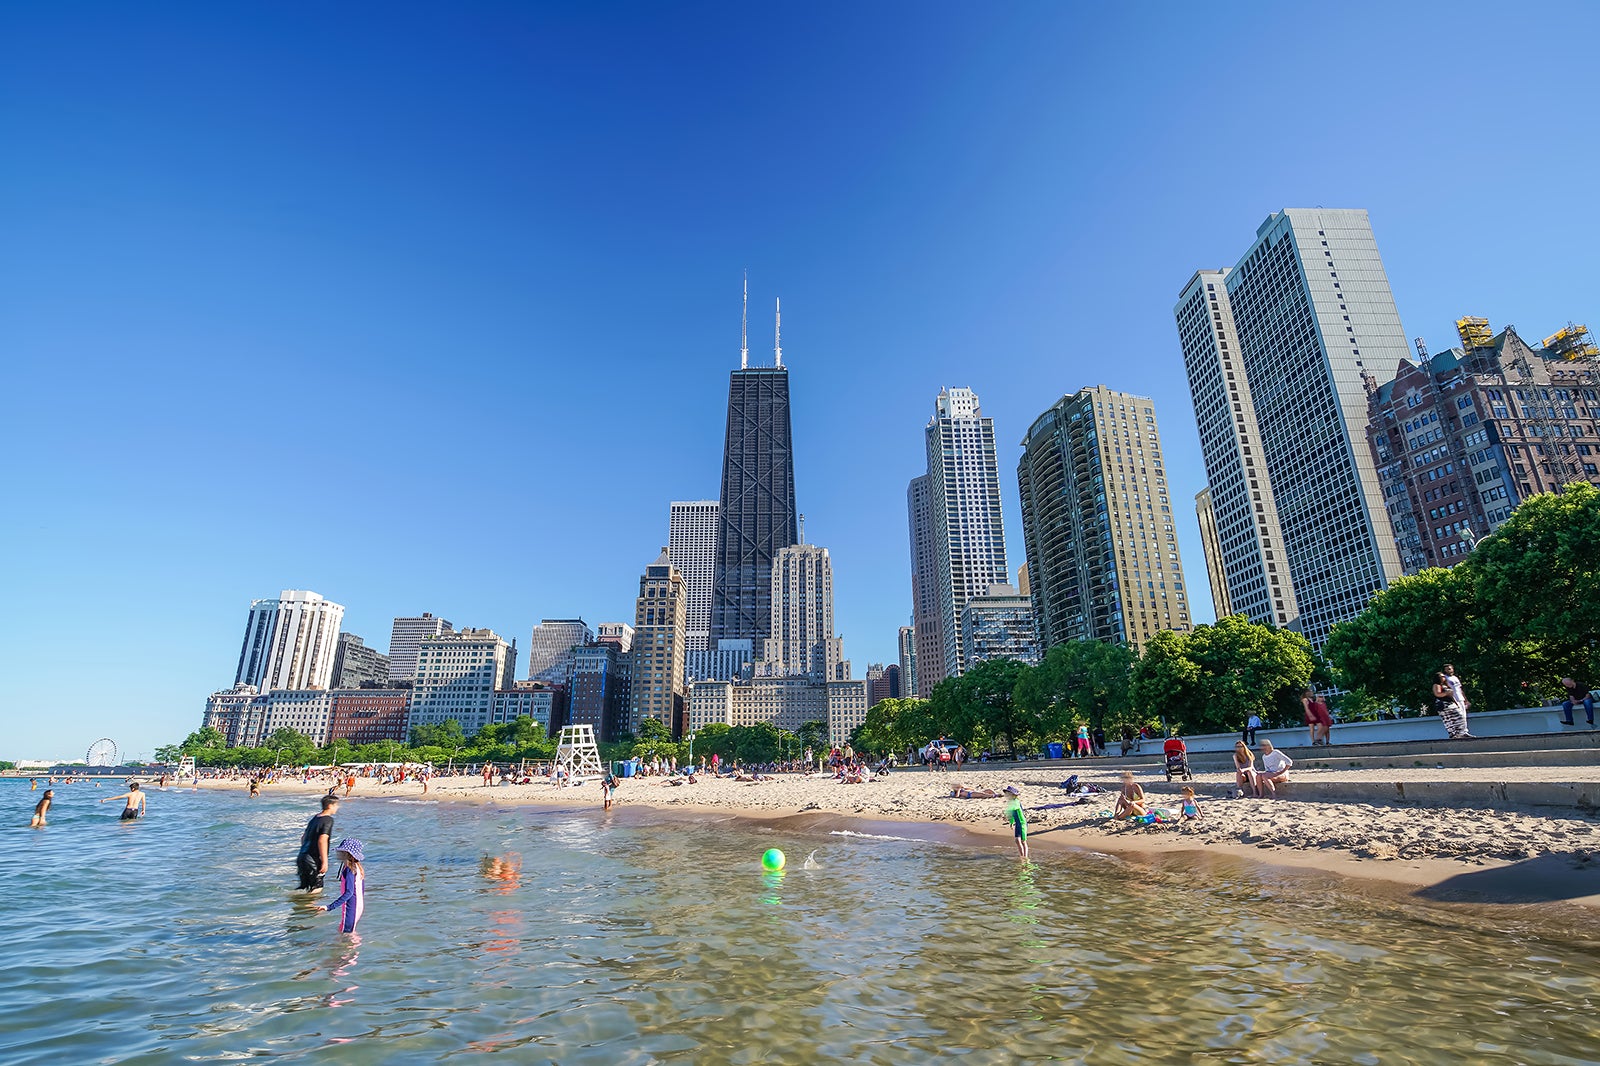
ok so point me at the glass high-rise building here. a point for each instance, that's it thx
(926, 639)
(1097, 522)
(963, 521)
(692, 546)
(1276, 348)
(757, 514)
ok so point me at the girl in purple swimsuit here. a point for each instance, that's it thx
(352, 885)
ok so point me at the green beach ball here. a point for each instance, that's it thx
(772, 860)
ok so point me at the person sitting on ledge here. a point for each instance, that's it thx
(1274, 768)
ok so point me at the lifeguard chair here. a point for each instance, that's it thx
(577, 754)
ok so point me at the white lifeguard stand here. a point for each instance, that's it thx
(186, 769)
(577, 753)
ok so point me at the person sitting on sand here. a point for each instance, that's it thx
(1244, 769)
(964, 793)
(1274, 767)
(1131, 801)
(1191, 806)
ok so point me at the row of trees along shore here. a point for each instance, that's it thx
(1514, 617)
(508, 743)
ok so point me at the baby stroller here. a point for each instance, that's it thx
(1178, 763)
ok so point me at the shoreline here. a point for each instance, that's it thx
(1513, 858)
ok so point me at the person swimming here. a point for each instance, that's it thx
(352, 885)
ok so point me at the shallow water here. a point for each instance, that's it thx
(627, 940)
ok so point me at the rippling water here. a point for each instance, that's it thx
(178, 938)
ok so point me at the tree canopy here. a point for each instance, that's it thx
(1513, 617)
(1213, 679)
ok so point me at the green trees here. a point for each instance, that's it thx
(1212, 680)
(1513, 617)
(894, 725)
(1079, 681)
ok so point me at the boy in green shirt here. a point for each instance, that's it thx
(1018, 819)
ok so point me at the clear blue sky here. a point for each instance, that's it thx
(431, 307)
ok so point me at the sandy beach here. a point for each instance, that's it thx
(1407, 843)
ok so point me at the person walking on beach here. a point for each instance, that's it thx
(1460, 701)
(1576, 694)
(312, 861)
(135, 800)
(608, 785)
(352, 885)
(42, 808)
(1018, 819)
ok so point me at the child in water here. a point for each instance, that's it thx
(352, 885)
(1018, 819)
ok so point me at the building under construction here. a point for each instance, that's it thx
(1460, 438)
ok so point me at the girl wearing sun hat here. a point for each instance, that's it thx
(352, 884)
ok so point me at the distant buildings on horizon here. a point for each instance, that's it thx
(1335, 459)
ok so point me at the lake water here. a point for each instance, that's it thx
(638, 939)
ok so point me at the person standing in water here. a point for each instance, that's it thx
(352, 885)
(1018, 819)
(42, 808)
(135, 800)
(312, 862)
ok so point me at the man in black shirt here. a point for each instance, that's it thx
(312, 862)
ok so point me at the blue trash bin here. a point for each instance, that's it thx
(1056, 750)
(627, 768)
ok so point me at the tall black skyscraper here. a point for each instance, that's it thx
(758, 509)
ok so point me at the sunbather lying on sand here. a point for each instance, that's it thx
(964, 793)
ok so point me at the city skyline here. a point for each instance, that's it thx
(290, 315)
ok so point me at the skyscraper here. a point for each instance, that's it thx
(289, 642)
(550, 648)
(692, 546)
(405, 638)
(1243, 513)
(967, 531)
(908, 660)
(356, 666)
(927, 636)
(1311, 309)
(1211, 545)
(1097, 522)
(757, 514)
(800, 638)
(659, 688)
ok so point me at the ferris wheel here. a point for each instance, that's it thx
(102, 752)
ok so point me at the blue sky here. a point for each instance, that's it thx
(431, 307)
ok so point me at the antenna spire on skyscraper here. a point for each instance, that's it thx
(744, 326)
(777, 333)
